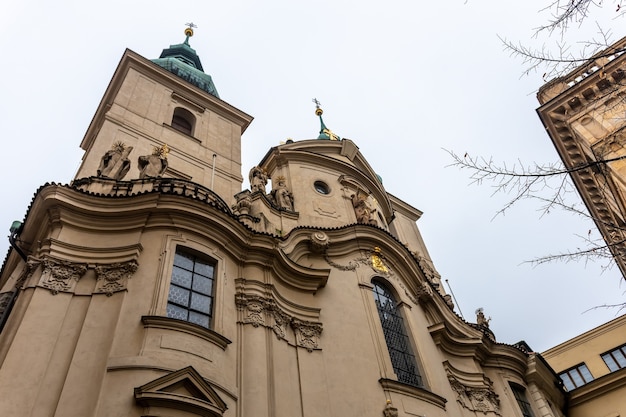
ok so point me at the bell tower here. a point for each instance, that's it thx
(164, 118)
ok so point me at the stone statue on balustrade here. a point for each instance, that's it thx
(115, 163)
(258, 179)
(154, 165)
(281, 196)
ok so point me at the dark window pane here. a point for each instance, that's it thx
(200, 303)
(179, 295)
(176, 312)
(183, 260)
(181, 277)
(200, 319)
(203, 269)
(610, 362)
(203, 285)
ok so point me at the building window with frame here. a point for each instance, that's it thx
(520, 396)
(576, 376)
(191, 289)
(183, 121)
(615, 359)
(396, 337)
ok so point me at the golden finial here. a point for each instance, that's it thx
(189, 29)
(318, 110)
(161, 151)
(118, 146)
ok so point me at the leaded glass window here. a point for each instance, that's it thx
(191, 289)
(398, 344)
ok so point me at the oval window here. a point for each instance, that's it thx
(321, 187)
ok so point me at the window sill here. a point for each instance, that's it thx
(160, 322)
(187, 135)
(415, 392)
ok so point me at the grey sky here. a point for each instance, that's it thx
(403, 79)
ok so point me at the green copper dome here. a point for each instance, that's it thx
(182, 61)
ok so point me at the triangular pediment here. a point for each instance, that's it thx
(184, 389)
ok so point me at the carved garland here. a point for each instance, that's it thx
(264, 312)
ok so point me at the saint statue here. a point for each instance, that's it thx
(115, 163)
(153, 166)
(281, 195)
(258, 179)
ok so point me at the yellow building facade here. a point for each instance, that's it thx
(155, 285)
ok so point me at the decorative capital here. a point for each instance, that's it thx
(307, 333)
(61, 276)
(114, 277)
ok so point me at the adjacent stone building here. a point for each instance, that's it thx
(583, 113)
(152, 285)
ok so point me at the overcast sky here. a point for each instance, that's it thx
(403, 79)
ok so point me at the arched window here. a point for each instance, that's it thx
(191, 289)
(183, 120)
(398, 344)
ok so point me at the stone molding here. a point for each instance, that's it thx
(262, 311)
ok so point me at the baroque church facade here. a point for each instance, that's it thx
(152, 285)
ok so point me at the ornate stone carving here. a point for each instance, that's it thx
(424, 292)
(113, 277)
(281, 320)
(363, 208)
(258, 179)
(115, 163)
(244, 202)
(390, 410)
(61, 276)
(281, 196)
(319, 241)
(448, 299)
(5, 299)
(154, 165)
(253, 307)
(264, 312)
(476, 398)
(307, 333)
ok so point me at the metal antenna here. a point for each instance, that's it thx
(455, 301)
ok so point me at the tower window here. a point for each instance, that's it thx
(191, 289)
(520, 397)
(398, 344)
(183, 121)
